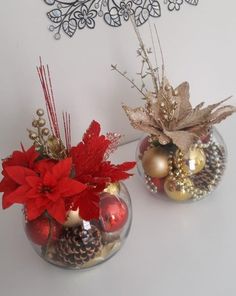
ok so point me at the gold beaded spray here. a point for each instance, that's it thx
(44, 142)
(49, 141)
(41, 133)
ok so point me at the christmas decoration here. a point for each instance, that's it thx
(176, 188)
(182, 151)
(114, 213)
(155, 162)
(144, 145)
(113, 188)
(40, 230)
(106, 251)
(193, 162)
(60, 186)
(159, 183)
(78, 245)
(72, 218)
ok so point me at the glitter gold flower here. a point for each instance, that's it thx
(167, 114)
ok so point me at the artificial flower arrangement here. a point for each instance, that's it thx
(182, 154)
(77, 212)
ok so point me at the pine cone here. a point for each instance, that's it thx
(78, 245)
(213, 170)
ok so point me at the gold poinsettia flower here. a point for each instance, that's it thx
(170, 117)
(168, 114)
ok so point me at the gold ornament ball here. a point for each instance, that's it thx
(73, 219)
(35, 123)
(40, 112)
(41, 122)
(175, 92)
(33, 136)
(37, 146)
(167, 87)
(176, 189)
(193, 162)
(45, 131)
(155, 162)
(113, 188)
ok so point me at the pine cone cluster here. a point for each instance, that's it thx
(78, 245)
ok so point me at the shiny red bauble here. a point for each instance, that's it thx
(159, 183)
(38, 230)
(144, 145)
(113, 213)
(205, 138)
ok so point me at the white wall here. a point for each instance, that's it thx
(199, 44)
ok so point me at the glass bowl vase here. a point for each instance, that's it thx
(182, 177)
(80, 244)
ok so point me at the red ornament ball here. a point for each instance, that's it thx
(144, 145)
(159, 183)
(205, 138)
(38, 230)
(113, 213)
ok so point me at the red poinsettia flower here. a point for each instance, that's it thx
(93, 170)
(89, 153)
(45, 189)
(88, 204)
(18, 158)
(88, 158)
(22, 158)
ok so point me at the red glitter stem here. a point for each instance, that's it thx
(67, 129)
(46, 83)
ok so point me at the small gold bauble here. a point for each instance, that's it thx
(155, 162)
(175, 92)
(45, 131)
(33, 136)
(73, 219)
(167, 87)
(40, 112)
(41, 122)
(193, 162)
(35, 123)
(176, 189)
(37, 146)
(113, 188)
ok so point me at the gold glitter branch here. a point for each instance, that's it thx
(115, 68)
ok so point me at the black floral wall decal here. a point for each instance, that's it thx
(68, 16)
(174, 4)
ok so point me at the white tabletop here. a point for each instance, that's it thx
(173, 249)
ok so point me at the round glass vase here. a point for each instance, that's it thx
(80, 244)
(182, 177)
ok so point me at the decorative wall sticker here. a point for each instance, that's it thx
(174, 4)
(69, 15)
